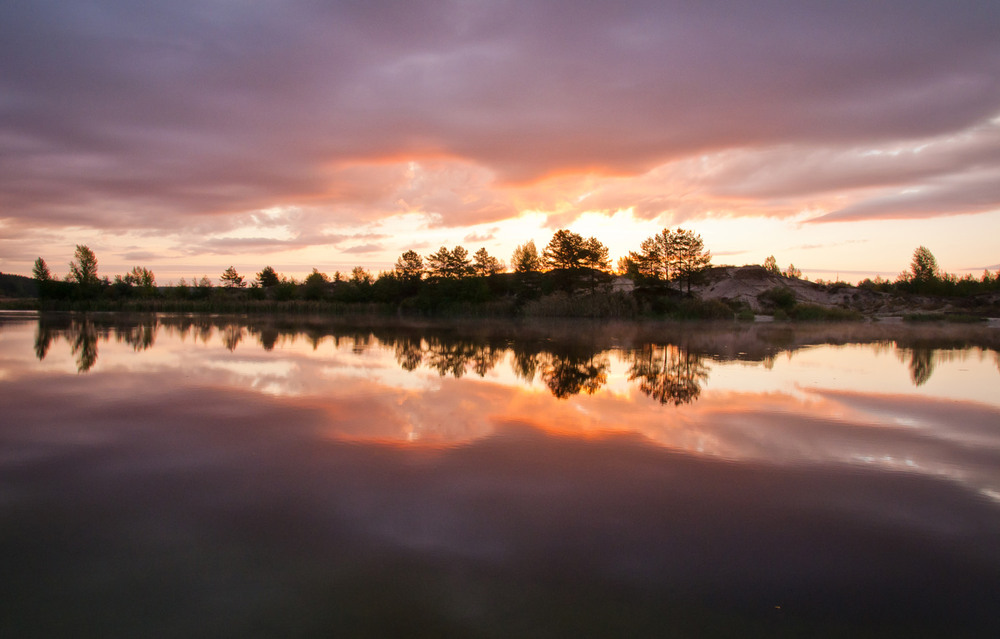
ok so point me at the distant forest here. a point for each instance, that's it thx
(571, 276)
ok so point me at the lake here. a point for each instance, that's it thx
(206, 476)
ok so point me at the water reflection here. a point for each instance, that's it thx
(82, 336)
(568, 374)
(232, 335)
(496, 480)
(670, 374)
(671, 371)
(921, 365)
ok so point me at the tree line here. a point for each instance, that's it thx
(925, 277)
(569, 262)
(453, 280)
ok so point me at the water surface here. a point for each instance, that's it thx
(204, 476)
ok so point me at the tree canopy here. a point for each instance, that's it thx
(449, 264)
(656, 259)
(231, 279)
(361, 276)
(410, 266)
(485, 264)
(565, 250)
(672, 255)
(525, 258)
(40, 271)
(83, 268)
(595, 255)
(268, 277)
(691, 256)
(140, 276)
(924, 267)
(771, 265)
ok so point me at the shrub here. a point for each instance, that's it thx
(812, 312)
(778, 297)
(693, 308)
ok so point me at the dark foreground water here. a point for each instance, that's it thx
(217, 477)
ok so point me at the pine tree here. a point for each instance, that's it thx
(231, 279)
(690, 256)
(41, 271)
(525, 258)
(410, 266)
(485, 264)
(565, 250)
(924, 266)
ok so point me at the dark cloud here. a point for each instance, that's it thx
(120, 117)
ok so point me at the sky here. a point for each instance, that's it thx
(193, 135)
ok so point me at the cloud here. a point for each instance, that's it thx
(236, 245)
(187, 116)
(950, 195)
(297, 236)
(825, 246)
(481, 237)
(139, 256)
(363, 248)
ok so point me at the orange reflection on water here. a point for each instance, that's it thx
(890, 402)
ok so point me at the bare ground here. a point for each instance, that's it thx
(746, 284)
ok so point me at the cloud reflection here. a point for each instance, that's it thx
(441, 465)
(452, 387)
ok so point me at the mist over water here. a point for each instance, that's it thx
(207, 476)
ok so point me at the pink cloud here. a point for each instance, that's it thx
(180, 119)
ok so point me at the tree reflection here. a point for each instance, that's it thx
(524, 364)
(43, 339)
(232, 335)
(204, 330)
(485, 359)
(361, 342)
(921, 365)
(451, 357)
(84, 344)
(669, 374)
(268, 337)
(140, 335)
(409, 353)
(571, 374)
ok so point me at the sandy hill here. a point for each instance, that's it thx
(748, 283)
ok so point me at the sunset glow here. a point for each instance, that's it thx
(190, 137)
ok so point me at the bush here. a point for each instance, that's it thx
(693, 308)
(778, 297)
(812, 312)
(285, 291)
(603, 305)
